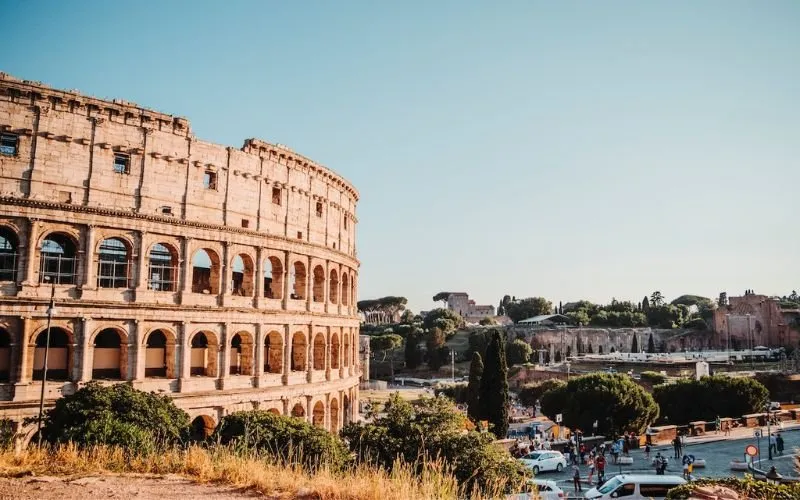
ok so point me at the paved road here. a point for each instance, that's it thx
(717, 453)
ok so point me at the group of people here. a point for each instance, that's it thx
(596, 460)
(776, 443)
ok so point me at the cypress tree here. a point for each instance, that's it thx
(474, 387)
(651, 345)
(634, 344)
(645, 305)
(494, 387)
(412, 353)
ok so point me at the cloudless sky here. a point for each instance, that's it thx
(563, 149)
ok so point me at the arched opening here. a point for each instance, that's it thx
(600, 349)
(334, 287)
(346, 410)
(8, 254)
(345, 288)
(57, 260)
(113, 264)
(346, 349)
(241, 354)
(298, 281)
(107, 356)
(242, 276)
(335, 351)
(204, 355)
(273, 353)
(163, 273)
(298, 352)
(273, 278)
(274, 411)
(5, 355)
(202, 427)
(319, 284)
(58, 357)
(353, 290)
(318, 415)
(319, 352)
(155, 359)
(298, 411)
(334, 416)
(205, 272)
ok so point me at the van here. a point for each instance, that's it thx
(635, 487)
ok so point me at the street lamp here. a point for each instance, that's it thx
(51, 310)
(769, 433)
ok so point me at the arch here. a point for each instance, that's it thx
(333, 287)
(335, 351)
(204, 352)
(273, 278)
(318, 414)
(274, 411)
(353, 289)
(162, 275)
(57, 261)
(346, 410)
(159, 354)
(298, 281)
(241, 354)
(113, 263)
(5, 355)
(109, 359)
(346, 337)
(59, 357)
(205, 272)
(345, 289)
(298, 352)
(318, 293)
(242, 275)
(334, 404)
(9, 253)
(319, 352)
(273, 353)
(298, 411)
(202, 427)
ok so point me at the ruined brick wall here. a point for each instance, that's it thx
(753, 320)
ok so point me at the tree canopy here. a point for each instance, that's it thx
(688, 400)
(385, 343)
(388, 304)
(446, 320)
(518, 352)
(530, 393)
(494, 387)
(474, 387)
(528, 308)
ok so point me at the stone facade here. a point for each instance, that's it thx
(755, 320)
(566, 341)
(224, 277)
(472, 313)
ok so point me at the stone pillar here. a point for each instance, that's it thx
(225, 348)
(327, 291)
(287, 354)
(24, 373)
(309, 283)
(327, 354)
(30, 252)
(310, 353)
(285, 402)
(341, 359)
(326, 421)
(185, 264)
(86, 352)
(139, 350)
(226, 273)
(339, 302)
(286, 288)
(258, 355)
(141, 264)
(89, 270)
(184, 372)
(309, 410)
(258, 288)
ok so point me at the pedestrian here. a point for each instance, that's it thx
(647, 451)
(626, 446)
(591, 470)
(779, 444)
(686, 461)
(717, 424)
(676, 446)
(772, 444)
(576, 478)
(600, 464)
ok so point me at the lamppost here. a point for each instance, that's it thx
(769, 433)
(51, 310)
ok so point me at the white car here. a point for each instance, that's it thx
(635, 487)
(539, 489)
(544, 460)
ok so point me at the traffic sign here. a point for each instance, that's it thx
(757, 433)
(558, 418)
(751, 450)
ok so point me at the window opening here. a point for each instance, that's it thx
(113, 265)
(276, 195)
(8, 144)
(163, 274)
(210, 180)
(8, 255)
(57, 262)
(122, 163)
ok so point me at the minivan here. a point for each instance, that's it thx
(635, 487)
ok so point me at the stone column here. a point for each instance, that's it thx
(23, 376)
(141, 264)
(287, 354)
(309, 353)
(89, 270)
(258, 288)
(327, 353)
(30, 252)
(339, 302)
(226, 273)
(139, 350)
(185, 264)
(327, 285)
(184, 372)
(286, 288)
(225, 348)
(341, 358)
(285, 402)
(326, 421)
(258, 355)
(309, 410)
(309, 283)
(86, 351)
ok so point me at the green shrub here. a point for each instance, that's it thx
(710, 397)
(747, 488)
(696, 324)
(518, 352)
(456, 392)
(434, 430)
(653, 378)
(286, 438)
(530, 393)
(116, 415)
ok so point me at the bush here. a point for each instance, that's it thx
(710, 397)
(518, 352)
(616, 402)
(434, 430)
(530, 393)
(654, 378)
(696, 324)
(747, 488)
(116, 415)
(286, 438)
(455, 392)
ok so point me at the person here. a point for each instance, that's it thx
(779, 444)
(626, 446)
(615, 451)
(676, 445)
(576, 478)
(591, 470)
(647, 451)
(717, 423)
(686, 461)
(600, 464)
(659, 463)
(772, 444)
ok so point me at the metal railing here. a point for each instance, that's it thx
(55, 268)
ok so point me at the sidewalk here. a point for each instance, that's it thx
(734, 434)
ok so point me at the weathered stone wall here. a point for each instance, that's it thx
(754, 320)
(280, 332)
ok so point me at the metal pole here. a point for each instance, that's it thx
(769, 435)
(728, 345)
(750, 342)
(46, 353)
(453, 364)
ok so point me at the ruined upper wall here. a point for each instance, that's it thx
(68, 146)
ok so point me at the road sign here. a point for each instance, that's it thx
(757, 433)
(751, 450)
(558, 418)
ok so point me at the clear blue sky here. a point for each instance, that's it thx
(564, 149)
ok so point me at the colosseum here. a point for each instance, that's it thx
(226, 278)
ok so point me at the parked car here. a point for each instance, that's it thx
(635, 487)
(539, 489)
(541, 461)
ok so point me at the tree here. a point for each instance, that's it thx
(487, 321)
(407, 317)
(478, 341)
(656, 299)
(390, 305)
(435, 343)
(560, 308)
(116, 415)
(645, 305)
(434, 429)
(579, 317)
(385, 345)
(529, 394)
(635, 344)
(651, 345)
(615, 401)
(413, 355)
(442, 297)
(289, 439)
(518, 352)
(688, 400)
(474, 387)
(494, 387)
(445, 319)
(501, 308)
(527, 308)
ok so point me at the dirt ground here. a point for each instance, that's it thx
(141, 487)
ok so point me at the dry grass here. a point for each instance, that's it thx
(220, 465)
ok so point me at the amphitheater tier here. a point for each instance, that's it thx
(224, 277)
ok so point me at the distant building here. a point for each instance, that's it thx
(755, 320)
(460, 303)
(547, 320)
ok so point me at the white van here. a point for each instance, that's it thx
(635, 487)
